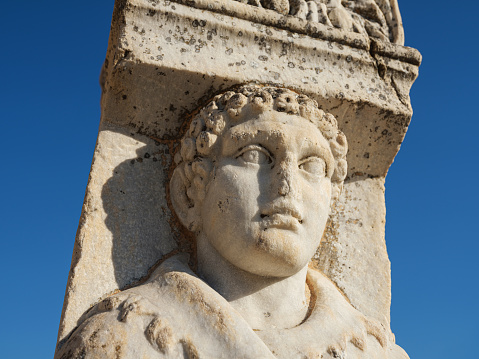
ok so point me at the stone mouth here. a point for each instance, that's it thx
(284, 209)
(281, 221)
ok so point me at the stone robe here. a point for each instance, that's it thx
(175, 314)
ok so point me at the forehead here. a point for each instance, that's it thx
(276, 131)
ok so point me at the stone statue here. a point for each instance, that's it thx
(256, 174)
(376, 18)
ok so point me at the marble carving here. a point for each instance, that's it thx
(377, 18)
(235, 206)
(256, 175)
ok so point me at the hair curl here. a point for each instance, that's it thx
(193, 165)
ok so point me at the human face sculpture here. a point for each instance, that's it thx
(267, 203)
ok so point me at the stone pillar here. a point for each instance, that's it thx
(167, 58)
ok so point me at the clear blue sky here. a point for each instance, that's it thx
(52, 52)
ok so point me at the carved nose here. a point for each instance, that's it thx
(285, 177)
(284, 187)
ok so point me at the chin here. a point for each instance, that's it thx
(281, 253)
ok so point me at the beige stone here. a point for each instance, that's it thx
(124, 228)
(353, 249)
(166, 59)
(176, 315)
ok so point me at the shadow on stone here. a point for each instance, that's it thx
(134, 199)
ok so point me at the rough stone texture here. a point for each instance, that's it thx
(161, 319)
(165, 53)
(124, 227)
(353, 249)
(166, 59)
(376, 18)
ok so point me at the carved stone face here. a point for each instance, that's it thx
(267, 204)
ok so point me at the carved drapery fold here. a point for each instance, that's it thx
(376, 18)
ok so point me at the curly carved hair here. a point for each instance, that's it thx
(193, 160)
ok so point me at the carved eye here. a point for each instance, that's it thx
(315, 166)
(255, 155)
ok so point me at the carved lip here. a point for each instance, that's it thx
(281, 221)
(282, 215)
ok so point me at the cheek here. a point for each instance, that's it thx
(232, 193)
(317, 201)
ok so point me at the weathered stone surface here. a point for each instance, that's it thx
(155, 321)
(379, 19)
(353, 250)
(178, 47)
(165, 59)
(124, 228)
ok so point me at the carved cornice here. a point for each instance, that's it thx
(356, 36)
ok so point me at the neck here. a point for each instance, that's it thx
(264, 302)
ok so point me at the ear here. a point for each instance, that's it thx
(184, 207)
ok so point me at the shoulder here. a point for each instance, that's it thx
(396, 352)
(348, 330)
(173, 315)
(122, 326)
